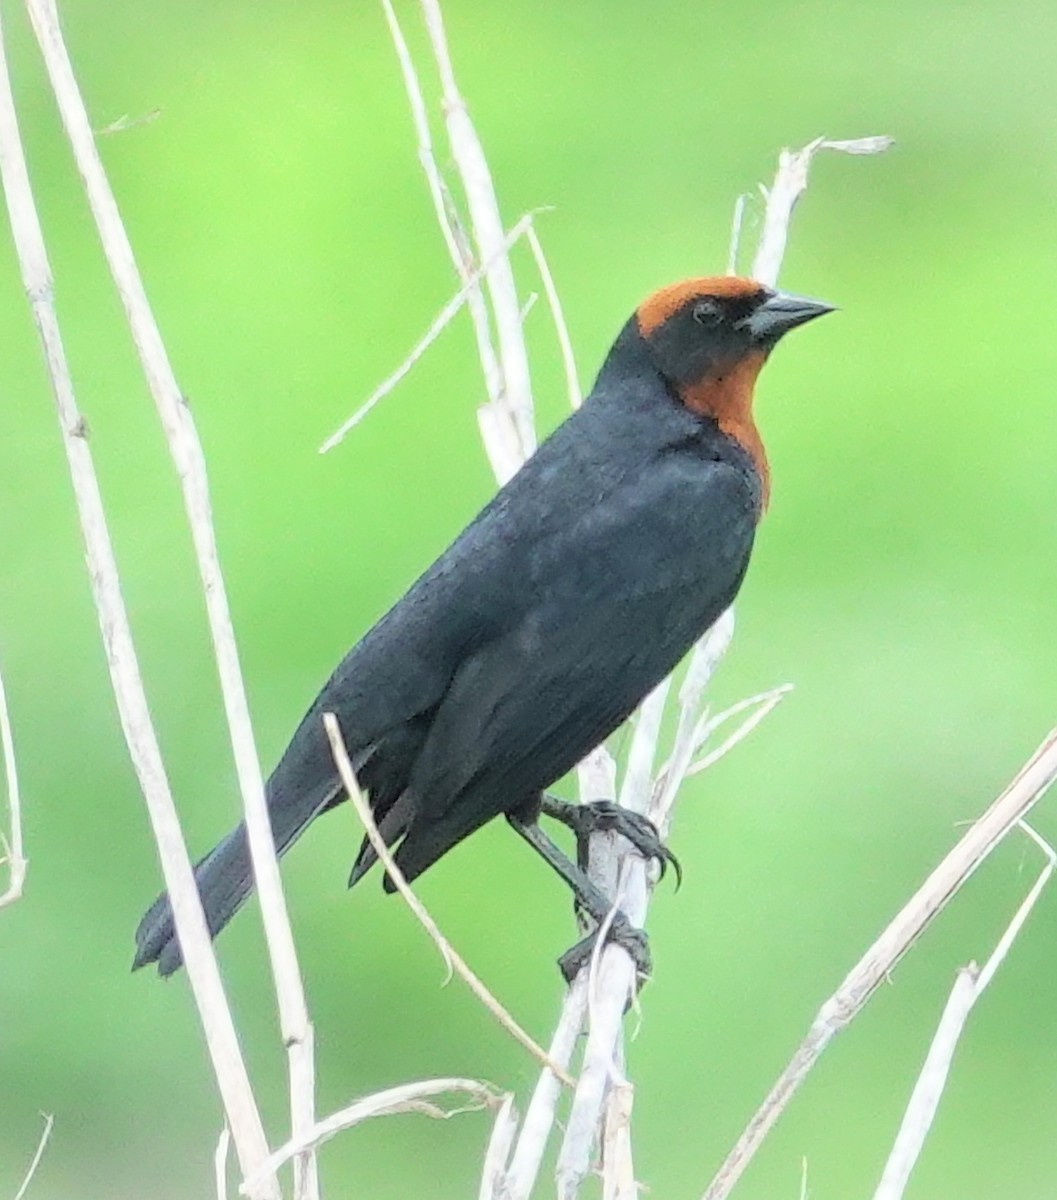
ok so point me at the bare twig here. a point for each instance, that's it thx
(881, 958)
(789, 185)
(13, 848)
(596, 774)
(451, 228)
(407, 1098)
(618, 1168)
(539, 1117)
(220, 1163)
(969, 986)
(498, 1150)
(572, 379)
(200, 960)
(617, 974)
(38, 1154)
(612, 971)
(487, 227)
(761, 706)
(442, 320)
(735, 233)
(186, 452)
(453, 960)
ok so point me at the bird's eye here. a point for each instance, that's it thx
(707, 312)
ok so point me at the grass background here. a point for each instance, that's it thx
(904, 580)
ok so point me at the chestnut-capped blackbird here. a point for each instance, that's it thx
(550, 617)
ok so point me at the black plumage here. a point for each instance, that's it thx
(538, 631)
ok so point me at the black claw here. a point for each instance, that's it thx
(621, 933)
(605, 816)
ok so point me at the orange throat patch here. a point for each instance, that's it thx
(727, 398)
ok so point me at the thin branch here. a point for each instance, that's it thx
(735, 233)
(761, 705)
(694, 731)
(611, 971)
(487, 227)
(440, 323)
(969, 986)
(407, 1098)
(498, 1150)
(789, 185)
(38, 1154)
(617, 973)
(453, 960)
(880, 959)
(618, 1167)
(539, 1116)
(565, 344)
(13, 847)
(220, 1163)
(200, 960)
(186, 452)
(447, 218)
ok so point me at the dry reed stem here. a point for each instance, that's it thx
(405, 1098)
(453, 960)
(203, 974)
(790, 183)
(561, 329)
(617, 976)
(11, 843)
(880, 959)
(596, 774)
(220, 1163)
(969, 985)
(487, 228)
(439, 324)
(38, 1154)
(186, 452)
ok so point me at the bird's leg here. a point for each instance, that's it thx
(605, 816)
(590, 899)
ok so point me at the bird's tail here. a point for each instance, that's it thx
(225, 879)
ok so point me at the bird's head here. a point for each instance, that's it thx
(708, 339)
(702, 330)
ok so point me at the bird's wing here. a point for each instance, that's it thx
(618, 597)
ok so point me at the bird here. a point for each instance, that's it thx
(576, 590)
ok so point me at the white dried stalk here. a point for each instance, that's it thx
(487, 227)
(452, 959)
(880, 959)
(789, 185)
(623, 876)
(618, 1167)
(617, 976)
(536, 1127)
(406, 1098)
(11, 843)
(203, 974)
(220, 1163)
(561, 329)
(186, 452)
(596, 774)
(735, 233)
(498, 1150)
(447, 218)
(38, 1154)
(969, 986)
(761, 706)
(440, 323)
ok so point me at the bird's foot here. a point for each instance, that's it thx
(603, 816)
(621, 933)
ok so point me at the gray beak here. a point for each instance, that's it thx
(781, 312)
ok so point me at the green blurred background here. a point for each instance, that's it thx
(904, 580)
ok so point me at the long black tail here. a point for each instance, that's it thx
(225, 877)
